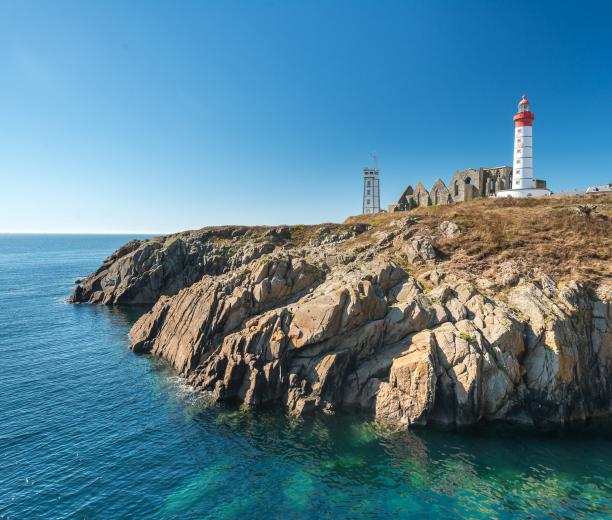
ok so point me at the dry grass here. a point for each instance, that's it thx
(519, 234)
(544, 233)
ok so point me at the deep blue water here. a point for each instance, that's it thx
(90, 430)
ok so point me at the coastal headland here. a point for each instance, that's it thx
(482, 311)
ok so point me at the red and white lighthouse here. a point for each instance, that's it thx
(522, 175)
(523, 183)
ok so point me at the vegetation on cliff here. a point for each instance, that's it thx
(568, 237)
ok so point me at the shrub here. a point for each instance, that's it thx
(467, 336)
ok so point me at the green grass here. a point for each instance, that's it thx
(466, 336)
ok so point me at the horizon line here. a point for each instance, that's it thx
(82, 233)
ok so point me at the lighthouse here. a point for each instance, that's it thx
(371, 189)
(522, 177)
(523, 183)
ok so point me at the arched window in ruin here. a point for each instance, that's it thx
(456, 189)
(491, 185)
(435, 196)
(467, 180)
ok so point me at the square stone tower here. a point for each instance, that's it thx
(371, 190)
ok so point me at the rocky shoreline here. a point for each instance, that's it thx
(383, 314)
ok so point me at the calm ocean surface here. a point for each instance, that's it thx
(90, 430)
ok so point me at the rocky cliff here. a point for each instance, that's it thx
(486, 311)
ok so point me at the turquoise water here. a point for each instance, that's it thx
(90, 430)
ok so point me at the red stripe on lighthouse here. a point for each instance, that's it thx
(524, 118)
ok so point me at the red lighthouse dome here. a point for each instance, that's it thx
(523, 117)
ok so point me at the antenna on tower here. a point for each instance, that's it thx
(375, 159)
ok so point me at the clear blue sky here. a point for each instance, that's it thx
(163, 116)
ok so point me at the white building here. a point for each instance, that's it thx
(523, 183)
(371, 190)
(602, 188)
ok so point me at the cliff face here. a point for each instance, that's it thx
(387, 314)
(141, 271)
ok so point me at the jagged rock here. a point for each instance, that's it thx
(371, 338)
(141, 272)
(507, 274)
(436, 276)
(419, 249)
(216, 306)
(584, 210)
(409, 395)
(449, 229)
(279, 233)
(335, 317)
(566, 371)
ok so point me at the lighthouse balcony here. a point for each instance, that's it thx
(524, 117)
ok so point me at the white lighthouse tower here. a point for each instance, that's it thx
(523, 183)
(371, 189)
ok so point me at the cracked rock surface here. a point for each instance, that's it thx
(366, 319)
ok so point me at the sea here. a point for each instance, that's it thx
(90, 430)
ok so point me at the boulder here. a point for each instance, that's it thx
(449, 229)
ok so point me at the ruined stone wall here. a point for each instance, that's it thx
(464, 185)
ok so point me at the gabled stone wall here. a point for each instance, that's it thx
(439, 193)
(464, 185)
(421, 195)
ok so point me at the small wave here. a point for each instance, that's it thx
(188, 393)
(181, 384)
(19, 290)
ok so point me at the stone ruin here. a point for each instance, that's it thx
(464, 185)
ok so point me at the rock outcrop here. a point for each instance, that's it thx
(367, 318)
(374, 339)
(141, 272)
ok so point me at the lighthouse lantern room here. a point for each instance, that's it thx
(523, 183)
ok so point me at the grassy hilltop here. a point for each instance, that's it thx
(568, 237)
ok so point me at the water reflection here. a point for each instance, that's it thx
(347, 464)
(117, 317)
(263, 464)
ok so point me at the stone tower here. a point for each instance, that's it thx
(371, 190)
